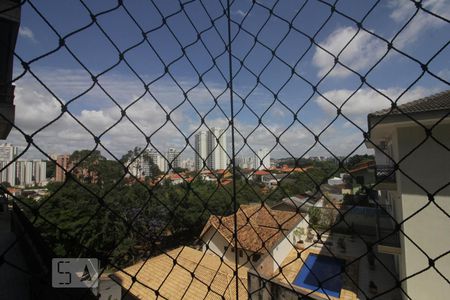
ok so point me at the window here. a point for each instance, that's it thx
(241, 253)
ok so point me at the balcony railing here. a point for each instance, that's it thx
(385, 173)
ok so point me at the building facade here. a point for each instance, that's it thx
(210, 149)
(30, 172)
(201, 149)
(173, 158)
(425, 171)
(21, 171)
(157, 159)
(61, 167)
(7, 153)
(262, 245)
(261, 160)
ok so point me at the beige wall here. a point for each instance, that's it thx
(216, 243)
(267, 264)
(272, 262)
(429, 166)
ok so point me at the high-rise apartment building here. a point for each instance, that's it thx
(211, 149)
(24, 175)
(62, 165)
(261, 159)
(217, 143)
(201, 147)
(141, 166)
(7, 153)
(188, 164)
(29, 172)
(39, 171)
(173, 157)
(157, 159)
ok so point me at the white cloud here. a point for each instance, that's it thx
(444, 74)
(26, 32)
(240, 12)
(36, 107)
(365, 49)
(367, 100)
(422, 22)
(362, 52)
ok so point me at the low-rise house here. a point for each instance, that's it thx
(362, 175)
(335, 181)
(272, 180)
(264, 236)
(173, 178)
(258, 175)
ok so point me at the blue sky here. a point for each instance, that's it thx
(67, 79)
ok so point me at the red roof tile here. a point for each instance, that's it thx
(259, 227)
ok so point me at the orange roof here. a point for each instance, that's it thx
(261, 172)
(259, 227)
(362, 166)
(226, 181)
(175, 176)
(298, 169)
(170, 275)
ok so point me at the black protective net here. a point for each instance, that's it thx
(196, 147)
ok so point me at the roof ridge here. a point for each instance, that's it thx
(437, 101)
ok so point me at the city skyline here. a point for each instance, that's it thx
(20, 171)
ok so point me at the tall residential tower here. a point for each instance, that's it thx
(211, 149)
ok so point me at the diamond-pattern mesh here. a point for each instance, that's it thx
(239, 66)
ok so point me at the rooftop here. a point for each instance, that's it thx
(436, 102)
(258, 226)
(174, 281)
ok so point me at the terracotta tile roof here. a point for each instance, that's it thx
(439, 101)
(259, 227)
(175, 281)
(226, 181)
(362, 166)
(261, 172)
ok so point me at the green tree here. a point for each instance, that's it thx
(314, 215)
(50, 169)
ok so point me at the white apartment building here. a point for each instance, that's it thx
(141, 166)
(157, 159)
(211, 149)
(201, 147)
(261, 160)
(173, 157)
(188, 164)
(24, 172)
(217, 145)
(8, 173)
(425, 168)
(246, 162)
